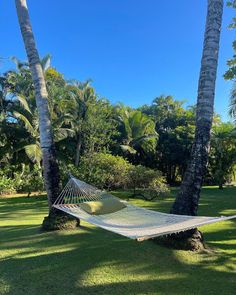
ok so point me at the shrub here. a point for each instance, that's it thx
(147, 179)
(6, 185)
(21, 178)
(104, 170)
(31, 180)
(66, 169)
(158, 186)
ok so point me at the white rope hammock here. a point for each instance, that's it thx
(132, 222)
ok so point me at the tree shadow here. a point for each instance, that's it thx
(90, 260)
(93, 261)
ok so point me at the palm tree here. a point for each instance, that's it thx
(27, 114)
(45, 63)
(50, 165)
(187, 199)
(29, 118)
(82, 96)
(138, 130)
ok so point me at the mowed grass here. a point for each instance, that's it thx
(90, 260)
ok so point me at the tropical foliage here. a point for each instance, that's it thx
(109, 145)
(223, 154)
(230, 74)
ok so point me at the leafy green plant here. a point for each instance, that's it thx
(105, 170)
(148, 180)
(222, 158)
(111, 172)
(6, 185)
(29, 181)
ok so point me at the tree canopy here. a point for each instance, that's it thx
(157, 136)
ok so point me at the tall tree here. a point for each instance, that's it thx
(223, 153)
(51, 170)
(137, 131)
(175, 127)
(83, 96)
(230, 74)
(187, 199)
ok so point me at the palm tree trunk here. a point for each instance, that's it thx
(187, 199)
(78, 149)
(50, 165)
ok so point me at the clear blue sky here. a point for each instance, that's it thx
(133, 50)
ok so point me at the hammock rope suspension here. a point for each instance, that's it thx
(132, 222)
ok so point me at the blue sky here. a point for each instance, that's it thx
(133, 50)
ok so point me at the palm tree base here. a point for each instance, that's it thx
(57, 220)
(191, 240)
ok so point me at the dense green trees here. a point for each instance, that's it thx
(223, 153)
(158, 136)
(175, 128)
(138, 135)
(88, 129)
(230, 74)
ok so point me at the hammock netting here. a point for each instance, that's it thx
(132, 222)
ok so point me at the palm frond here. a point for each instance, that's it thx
(144, 137)
(19, 64)
(129, 149)
(24, 103)
(46, 62)
(34, 153)
(26, 122)
(63, 133)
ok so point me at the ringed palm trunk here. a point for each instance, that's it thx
(51, 170)
(187, 199)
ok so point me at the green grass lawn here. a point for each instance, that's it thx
(90, 260)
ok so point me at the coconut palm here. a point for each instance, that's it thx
(82, 96)
(187, 199)
(45, 63)
(138, 130)
(29, 119)
(51, 170)
(27, 114)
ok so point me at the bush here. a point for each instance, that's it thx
(104, 171)
(158, 186)
(6, 185)
(148, 180)
(25, 180)
(66, 169)
(30, 180)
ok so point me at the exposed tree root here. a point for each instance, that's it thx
(189, 240)
(58, 220)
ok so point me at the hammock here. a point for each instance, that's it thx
(132, 222)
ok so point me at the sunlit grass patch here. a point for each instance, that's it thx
(90, 260)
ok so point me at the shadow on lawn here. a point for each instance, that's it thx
(93, 261)
(21, 207)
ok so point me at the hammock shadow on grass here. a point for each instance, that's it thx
(94, 261)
